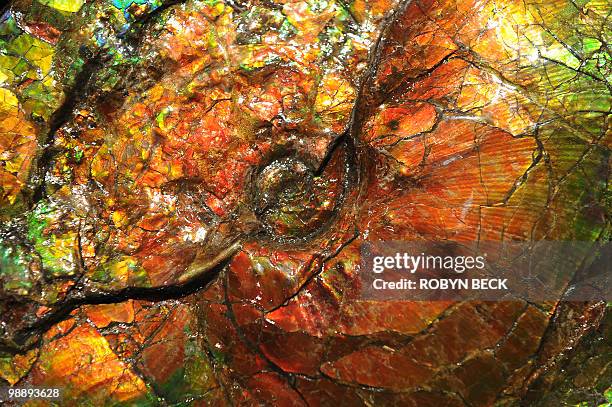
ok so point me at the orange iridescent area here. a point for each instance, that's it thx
(186, 187)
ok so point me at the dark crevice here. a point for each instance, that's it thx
(22, 339)
(61, 116)
(349, 137)
(76, 94)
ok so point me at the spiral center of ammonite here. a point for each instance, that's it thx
(293, 202)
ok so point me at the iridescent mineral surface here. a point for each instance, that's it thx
(185, 186)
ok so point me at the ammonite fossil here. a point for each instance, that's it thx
(185, 186)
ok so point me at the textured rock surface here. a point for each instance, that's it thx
(185, 186)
